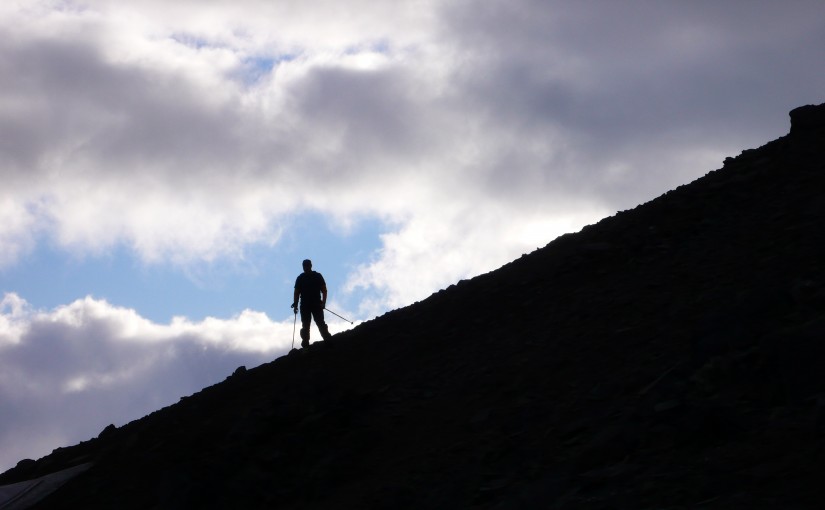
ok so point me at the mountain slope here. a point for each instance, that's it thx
(666, 357)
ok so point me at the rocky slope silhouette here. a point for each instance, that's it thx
(669, 356)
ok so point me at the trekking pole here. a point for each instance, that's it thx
(335, 314)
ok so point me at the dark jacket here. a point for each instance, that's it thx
(309, 286)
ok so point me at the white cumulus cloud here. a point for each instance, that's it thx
(70, 371)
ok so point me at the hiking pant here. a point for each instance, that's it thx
(309, 312)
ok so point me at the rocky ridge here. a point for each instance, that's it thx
(667, 357)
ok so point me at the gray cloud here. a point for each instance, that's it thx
(543, 108)
(376, 113)
(623, 79)
(68, 372)
(78, 112)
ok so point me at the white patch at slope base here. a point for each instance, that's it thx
(21, 495)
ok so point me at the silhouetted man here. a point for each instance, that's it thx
(312, 289)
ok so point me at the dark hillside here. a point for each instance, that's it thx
(667, 357)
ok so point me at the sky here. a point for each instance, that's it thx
(166, 166)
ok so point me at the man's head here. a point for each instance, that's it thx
(307, 265)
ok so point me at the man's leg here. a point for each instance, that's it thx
(318, 315)
(306, 321)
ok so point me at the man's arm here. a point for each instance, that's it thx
(323, 295)
(297, 293)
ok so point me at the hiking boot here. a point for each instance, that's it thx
(304, 343)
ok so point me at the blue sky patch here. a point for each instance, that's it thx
(261, 281)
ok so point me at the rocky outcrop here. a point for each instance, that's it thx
(807, 119)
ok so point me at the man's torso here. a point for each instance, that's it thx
(309, 285)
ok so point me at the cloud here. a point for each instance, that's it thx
(153, 141)
(455, 242)
(16, 230)
(68, 372)
(189, 133)
(575, 114)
